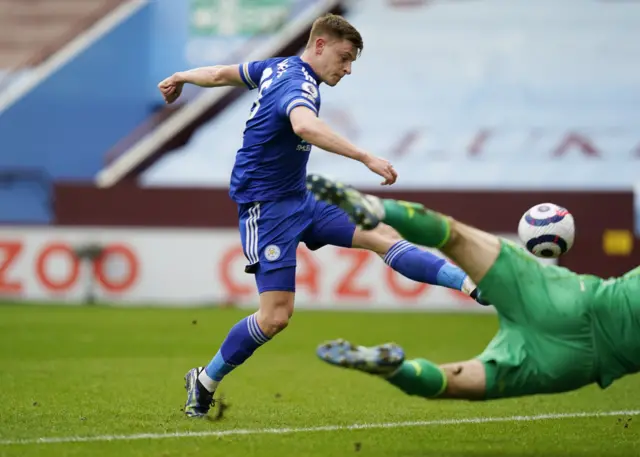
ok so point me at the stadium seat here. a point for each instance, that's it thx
(33, 30)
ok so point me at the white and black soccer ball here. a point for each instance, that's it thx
(547, 230)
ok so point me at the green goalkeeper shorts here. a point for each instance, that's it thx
(552, 337)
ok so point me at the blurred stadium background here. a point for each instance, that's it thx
(485, 107)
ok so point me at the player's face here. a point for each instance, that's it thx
(336, 60)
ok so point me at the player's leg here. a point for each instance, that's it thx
(419, 377)
(413, 262)
(332, 226)
(474, 250)
(244, 338)
(270, 248)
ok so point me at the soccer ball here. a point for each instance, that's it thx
(547, 230)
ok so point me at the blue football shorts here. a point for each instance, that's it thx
(271, 231)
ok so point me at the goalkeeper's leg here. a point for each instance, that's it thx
(418, 377)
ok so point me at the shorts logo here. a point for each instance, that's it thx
(272, 252)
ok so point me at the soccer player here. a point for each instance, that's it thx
(559, 330)
(276, 212)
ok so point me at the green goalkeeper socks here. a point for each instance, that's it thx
(419, 377)
(417, 224)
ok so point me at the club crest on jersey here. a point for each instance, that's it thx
(272, 252)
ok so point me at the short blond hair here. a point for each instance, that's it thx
(337, 27)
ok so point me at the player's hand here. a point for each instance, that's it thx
(170, 89)
(381, 167)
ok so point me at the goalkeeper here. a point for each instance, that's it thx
(558, 330)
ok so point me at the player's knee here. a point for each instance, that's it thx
(378, 240)
(275, 324)
(275, 313)
(275, 321)
(465, 380)
(388, 232)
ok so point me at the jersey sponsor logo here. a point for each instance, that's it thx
(304, 146)
(272, 253)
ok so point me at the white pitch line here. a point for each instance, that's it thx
(324, 428)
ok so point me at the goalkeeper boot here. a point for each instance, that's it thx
(381, 360)
(366, 211)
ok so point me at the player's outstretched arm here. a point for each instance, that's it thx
(313, 130)
(216, 76)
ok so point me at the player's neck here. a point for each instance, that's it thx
(307, 57)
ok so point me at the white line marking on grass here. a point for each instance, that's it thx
(324, 428)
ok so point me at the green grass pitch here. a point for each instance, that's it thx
(96, 372)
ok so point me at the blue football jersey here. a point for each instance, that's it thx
(271, 165)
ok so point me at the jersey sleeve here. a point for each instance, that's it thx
(251, 72)
(299, 92)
